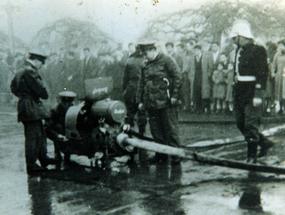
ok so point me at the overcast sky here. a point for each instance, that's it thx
(123, 20)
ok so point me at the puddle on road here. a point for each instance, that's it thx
(191, 188)
(154, 189)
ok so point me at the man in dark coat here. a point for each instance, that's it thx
(90, 69)
(130, 84)
(251, 72)
(200, 77)
(55, 126)
(215, 51)
(116, 72)
(177, 57)
(158, 92)
(27, 85)
(72, 78)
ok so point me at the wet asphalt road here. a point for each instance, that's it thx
(191, 188)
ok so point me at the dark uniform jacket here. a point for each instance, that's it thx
(56, 124)
(152, 88)
(27, 85)
(252, 62)
(131, 77)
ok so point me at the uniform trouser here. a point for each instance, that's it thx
(132, 109)
(164, 126)
(35, 142)
(248, 120)
(185, 90)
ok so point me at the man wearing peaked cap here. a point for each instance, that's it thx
(55, 126)
(131, 78)
(38, 54)
(27, 85)
(146, 46)
(251, 72)
(67, 94)
(158, 93)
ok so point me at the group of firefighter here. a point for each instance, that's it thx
(151, 88)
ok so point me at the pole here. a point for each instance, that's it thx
(9, 10)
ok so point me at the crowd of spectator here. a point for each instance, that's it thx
(207, 72)
(208, 76)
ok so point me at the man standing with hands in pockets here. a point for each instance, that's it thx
(158, 93)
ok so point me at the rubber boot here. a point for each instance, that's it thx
(57, 155)
(142, 130)
(251, 152)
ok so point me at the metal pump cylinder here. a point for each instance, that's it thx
(115, 111)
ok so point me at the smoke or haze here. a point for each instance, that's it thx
(123, 20)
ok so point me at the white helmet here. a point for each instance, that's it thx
(241, 28)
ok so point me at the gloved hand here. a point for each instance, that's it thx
(173, 101)
(141, 107)
(126, 127)
(62, 137)
(257, 102)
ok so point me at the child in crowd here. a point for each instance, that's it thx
(224, 59)
(229, 79)
(219, 87)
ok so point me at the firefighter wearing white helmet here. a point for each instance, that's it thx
(241, 28)
(251, 71)
(28, 86)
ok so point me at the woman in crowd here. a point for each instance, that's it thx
(271, 49)
(278, 71)
(229, 79)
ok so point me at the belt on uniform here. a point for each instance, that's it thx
(246, 78)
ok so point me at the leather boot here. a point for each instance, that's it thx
(265, 145)
(158, 158)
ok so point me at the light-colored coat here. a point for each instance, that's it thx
(207, 71)
(278, 67)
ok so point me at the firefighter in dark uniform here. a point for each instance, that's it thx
(28, 86)
(158, 93)
(130, 85)
(55, 126)
(251, 72)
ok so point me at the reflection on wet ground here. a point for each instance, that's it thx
(154, 189)
(189, 188)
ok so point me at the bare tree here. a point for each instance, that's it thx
(67, 32)
(267, 21)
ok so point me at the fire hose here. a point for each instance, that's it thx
(124, 140)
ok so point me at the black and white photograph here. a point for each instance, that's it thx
(142, 107)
